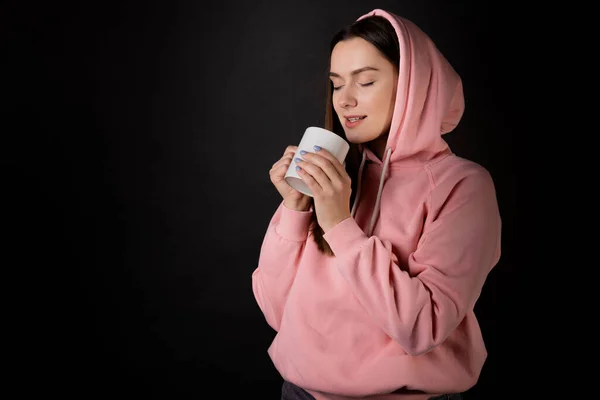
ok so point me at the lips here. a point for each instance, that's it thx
(354, 120)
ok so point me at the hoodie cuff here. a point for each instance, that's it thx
(293, 225)
(345, 236)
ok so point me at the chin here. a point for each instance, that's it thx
(354, 138)
(351, 139)
(358, 137)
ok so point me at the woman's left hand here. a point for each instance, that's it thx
(330, 184)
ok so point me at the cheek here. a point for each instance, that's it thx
(374, 98)
(382, 102)
(338, 110)
(382, 98)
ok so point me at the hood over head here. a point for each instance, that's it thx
(429, 103)
(429, 96)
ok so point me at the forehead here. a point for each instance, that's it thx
(355, 53)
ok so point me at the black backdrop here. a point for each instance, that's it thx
(137, 139)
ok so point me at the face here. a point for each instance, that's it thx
(364, 86)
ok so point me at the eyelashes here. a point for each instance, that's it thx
(361, 84)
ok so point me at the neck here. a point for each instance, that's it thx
(377, 146)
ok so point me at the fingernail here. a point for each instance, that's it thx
(298, 168)
(303, 152)
(297, 159)
(317, 148)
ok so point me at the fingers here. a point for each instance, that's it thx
(288, 154)
(337, 177)
(307, 177)
(321, 154)
(291, 149)
(285, 160)
(312, 174)
(322, 172)
(323, 169)
(277, 173)
(280, 167)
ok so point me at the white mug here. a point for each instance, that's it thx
(323, 138)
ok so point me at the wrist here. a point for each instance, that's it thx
(327, 226)
(301, 205)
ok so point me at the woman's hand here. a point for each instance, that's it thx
(330, 184)
(292, 198)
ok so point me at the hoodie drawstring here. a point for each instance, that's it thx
(360, 171)
(386, 164)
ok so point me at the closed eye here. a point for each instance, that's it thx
(361, 84)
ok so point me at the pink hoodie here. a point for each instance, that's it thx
(394, 308)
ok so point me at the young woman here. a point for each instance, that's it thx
(371, 284)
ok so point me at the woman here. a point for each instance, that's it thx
(371, 284)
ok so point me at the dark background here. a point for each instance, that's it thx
(136, 143)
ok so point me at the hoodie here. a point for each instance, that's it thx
(390, 316)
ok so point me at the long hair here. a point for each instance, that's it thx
(380, 33)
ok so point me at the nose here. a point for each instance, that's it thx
(346, 98)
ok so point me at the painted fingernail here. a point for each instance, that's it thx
(297, 159)
(298, 168)
(317, 148)
(303, 152)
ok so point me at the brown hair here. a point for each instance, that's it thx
(380, 33)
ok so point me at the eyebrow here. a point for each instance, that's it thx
(356, 71)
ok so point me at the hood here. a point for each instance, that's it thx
(429, 103)
(429, 96)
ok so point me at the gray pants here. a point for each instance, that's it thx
(289, 391)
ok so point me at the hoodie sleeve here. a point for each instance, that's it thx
(454, 255)
(278, 261)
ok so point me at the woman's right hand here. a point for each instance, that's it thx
(291, 197)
